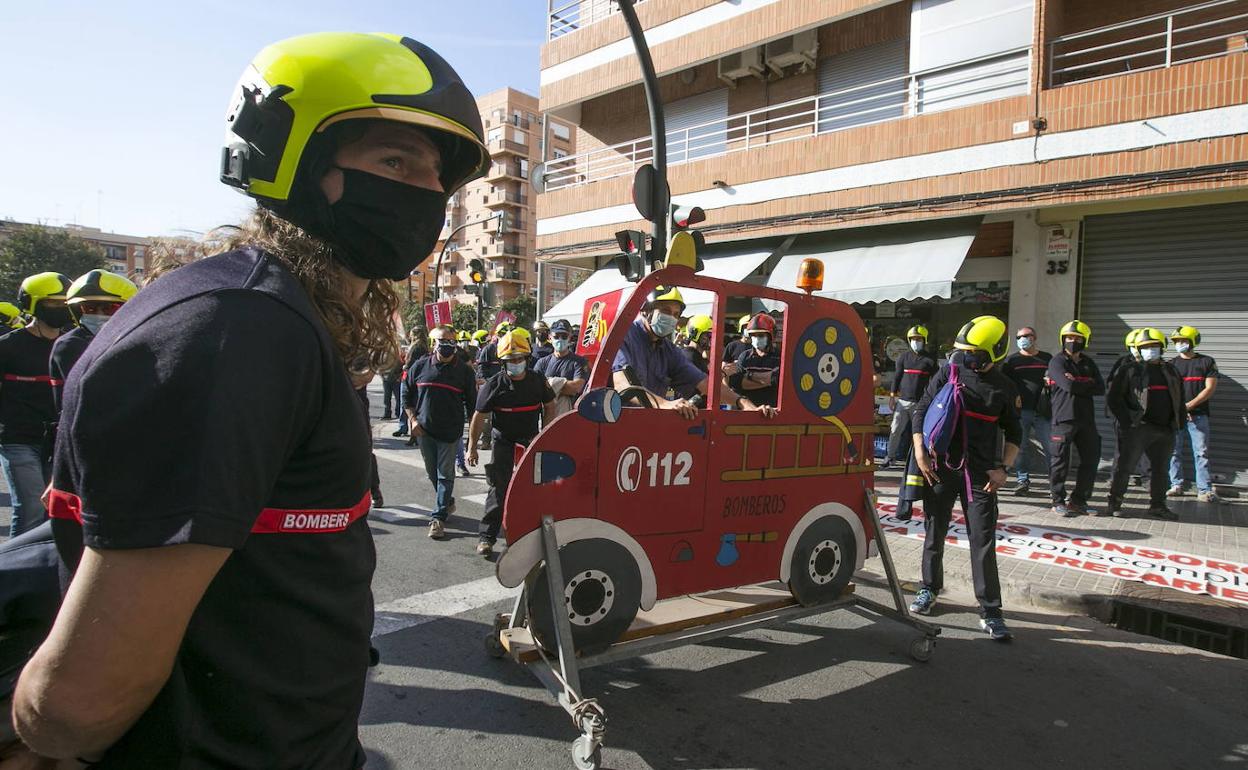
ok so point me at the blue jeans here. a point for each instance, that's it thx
(439, 459)
(1198, 432)
(27, 476)
(1032, 424)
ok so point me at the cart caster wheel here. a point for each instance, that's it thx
(921, 648)
(583, 757)
(493, 647)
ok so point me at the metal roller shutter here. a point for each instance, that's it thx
(697, 126)
(1167, 267)
(866, 85)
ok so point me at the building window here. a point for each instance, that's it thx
(866, 85)
(519, 137)
(561, 131)
(697, 127)
(494, 135)
(114, 252)
(557, 295)
(559, 274)
(558, 153)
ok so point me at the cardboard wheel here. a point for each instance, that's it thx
(823, 561)
(601, 595)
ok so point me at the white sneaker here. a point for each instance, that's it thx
(436, 529)
(1175, 491)
(1208, 497)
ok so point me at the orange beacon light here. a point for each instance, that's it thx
(810, 275)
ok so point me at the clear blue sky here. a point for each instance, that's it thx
(112, 111)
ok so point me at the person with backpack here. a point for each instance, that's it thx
(1074, 379)
(958, 424)
(1026, 369)
(1146, 400)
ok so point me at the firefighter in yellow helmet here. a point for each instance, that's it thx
(26, 402)
(649, 371)
(1027, 368)
(1145, 399)
(974, 474)
(699, 338)
(1200, 382)
(1074, 379)
(737, 345)
(915, 368)
(517, 398)
(93, 299)
(214, 451)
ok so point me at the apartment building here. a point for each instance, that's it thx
(1035, 159)
(125, 254)
(518, 137)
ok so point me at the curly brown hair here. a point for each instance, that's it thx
(363, 330)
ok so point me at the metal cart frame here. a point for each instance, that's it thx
(562, 676)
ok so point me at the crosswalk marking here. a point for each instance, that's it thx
(419, 609)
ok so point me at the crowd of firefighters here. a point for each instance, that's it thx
(505, 384)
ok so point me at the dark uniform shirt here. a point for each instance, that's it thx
(988, 400)
(734, 349)
(488, 364)
(912, 374)
(26, 405)
(695, 357)
(516, 405)
(1159, 408)
(1072, 398)
(1027, 374)
(569, 367)
(752, 361)
(656, 363)
(442, 395)
(1194, 371)
(542, 349)
(66, 351)
(181, 425)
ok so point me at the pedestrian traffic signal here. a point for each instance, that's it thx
(476, 270)
(632, 260)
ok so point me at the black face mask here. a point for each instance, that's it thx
(1075, 346)
(543, 336)
(446, 349)
(56, 317)
(976, 360)
(381, 228)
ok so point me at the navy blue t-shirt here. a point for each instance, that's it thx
(213, 408)
(569, 367)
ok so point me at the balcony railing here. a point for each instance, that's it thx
(993, 77)
(564, 17)
(1202, 31)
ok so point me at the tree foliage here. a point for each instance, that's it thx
(37, 249)
(464, 317)
(523, 307)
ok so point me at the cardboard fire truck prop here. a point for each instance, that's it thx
(617, 515)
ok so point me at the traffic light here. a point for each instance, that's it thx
(632, 260)
(683, 218)
(476, 270)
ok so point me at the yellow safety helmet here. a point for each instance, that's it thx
(743, 322)
(513, 344)
(480, 336)
(665, 294)
(1130, 338)
(986, 333)
(917, 331)
(10, 316)
(101, 286)
(1190, 333)
(1076, 328)
(502, 328)
(41, 286)
(295, 89)
(463, 336)
(698, 326)
(1150, 336)
(520, 331)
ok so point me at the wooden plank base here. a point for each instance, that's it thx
(680, 613)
